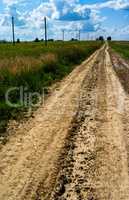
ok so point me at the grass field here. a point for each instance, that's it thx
(122, 48)
(34, 66)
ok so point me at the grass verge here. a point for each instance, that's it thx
(121, 47)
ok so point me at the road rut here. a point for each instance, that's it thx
(96, 167)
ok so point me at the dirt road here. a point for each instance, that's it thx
(77, 145)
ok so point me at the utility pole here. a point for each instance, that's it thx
(63, 31)
(76, 34)
(45, 25)
(88, 36)
(79, 35)
(13, 31)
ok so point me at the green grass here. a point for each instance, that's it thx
(121, 47)
(35, 66)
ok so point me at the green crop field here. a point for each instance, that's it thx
(121, 47)
(34, 66)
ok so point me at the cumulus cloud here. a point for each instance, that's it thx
(5, 20)
(61, 14)
(64, 13)
(114, 4)
(12, 2)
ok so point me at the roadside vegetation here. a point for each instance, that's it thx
(34, 66)
(121, 47)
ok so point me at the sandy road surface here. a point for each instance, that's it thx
(77, 145)
(96, 167)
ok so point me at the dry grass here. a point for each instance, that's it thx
(48, 57)
(20, 64)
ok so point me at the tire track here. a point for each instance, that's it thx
(96, 167)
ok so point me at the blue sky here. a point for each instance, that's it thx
(92, 17)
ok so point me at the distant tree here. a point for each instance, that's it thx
(101, 38)
(3, 41)
(109, 38)
(36, 40)
(51, 40)
(18, 40)
(73, 39)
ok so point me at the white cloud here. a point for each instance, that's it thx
(114, 4)
(12, 2)
(61, 14)
(66, 13)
